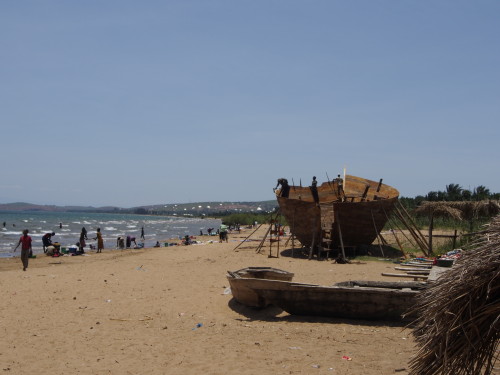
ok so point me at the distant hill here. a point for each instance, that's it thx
(196, 208)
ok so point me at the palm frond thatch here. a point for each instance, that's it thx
(458, 328)
(441, 209)
(460, 210)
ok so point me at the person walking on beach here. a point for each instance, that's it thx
(26, 250)
(223, 232)
(142, 234)
(100, 242)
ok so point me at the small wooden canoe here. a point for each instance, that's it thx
(241, 280)
(368, 300)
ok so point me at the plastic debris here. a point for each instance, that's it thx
(346, 358)
(198, 326)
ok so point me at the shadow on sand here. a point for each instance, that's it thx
(271, 314)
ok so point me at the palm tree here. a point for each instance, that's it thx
(432, 196)
(466, 195)
(481, 193)
(453, 192)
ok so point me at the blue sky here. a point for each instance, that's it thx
(132, 103)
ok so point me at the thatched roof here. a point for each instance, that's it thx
(458, 328)
(466, 210)
(441, 209)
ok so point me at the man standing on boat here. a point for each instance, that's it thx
(314, 190)
(285, 188)
(340, 187)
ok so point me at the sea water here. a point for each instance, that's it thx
(68, 226)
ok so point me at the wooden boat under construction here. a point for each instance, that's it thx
(345, 212)
(368, 300)
(241, 281)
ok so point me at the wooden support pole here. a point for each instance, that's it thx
(379, 185)
(412, 222)
(421, 242)
(293, 232)
(340, 235)
(314, 221)
(263, 240)
(414, 231)
(431, 227)
(384, 242)
(376, 232)
(411, 240)
(365, 193)
(399, 244)
(248, 237)
(279, 238)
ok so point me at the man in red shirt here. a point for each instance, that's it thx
(25, 240)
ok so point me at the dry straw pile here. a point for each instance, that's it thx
(458, 328)
(466, 210)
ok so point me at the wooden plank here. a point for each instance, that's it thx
(418, 272)
(414, 277)
(412, 269)
(413, 265)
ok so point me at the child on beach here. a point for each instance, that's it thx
(100, 242)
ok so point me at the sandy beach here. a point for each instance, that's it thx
(167, 311)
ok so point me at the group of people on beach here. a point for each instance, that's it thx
(83, 237)
(53, 249)
(126, 242)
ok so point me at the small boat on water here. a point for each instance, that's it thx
(369, 300)
(351, 209)
(242, 280)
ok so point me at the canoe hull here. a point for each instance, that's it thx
(368, 303)
(243, 281)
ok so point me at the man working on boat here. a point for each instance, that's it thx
(314, 190)
(285, 188)
(340, 188)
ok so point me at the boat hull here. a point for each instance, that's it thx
(355, 217)
(243, 281)
(339, 301)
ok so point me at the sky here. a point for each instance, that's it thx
(129, 103)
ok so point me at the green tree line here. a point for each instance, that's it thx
(452, 193)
